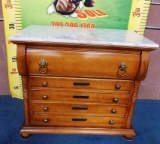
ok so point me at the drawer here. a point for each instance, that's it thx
(77, 121)
(82, 64)
(80, 108)
(98, 96)
(80, 83)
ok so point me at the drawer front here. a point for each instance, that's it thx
(46, 95)
(80, 83)
(77, 121)
(84, 64)
(85, 108)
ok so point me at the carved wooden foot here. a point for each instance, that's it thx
(128, 137)
(25, 136)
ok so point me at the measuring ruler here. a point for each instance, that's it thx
(13, 23)
(138, 15)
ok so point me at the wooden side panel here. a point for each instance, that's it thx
(132, 104)
(21, 60)
(26, 100)
(143, 65)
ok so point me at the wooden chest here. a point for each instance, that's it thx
(80, 81)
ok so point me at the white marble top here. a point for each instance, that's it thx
(98, 36)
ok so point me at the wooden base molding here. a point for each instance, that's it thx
(25, 131)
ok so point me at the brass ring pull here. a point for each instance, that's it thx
(41, 71)
(43, 66)
(122, 74)
(122, 69)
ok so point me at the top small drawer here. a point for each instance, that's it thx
(82, 64)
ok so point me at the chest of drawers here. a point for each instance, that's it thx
(79, 81)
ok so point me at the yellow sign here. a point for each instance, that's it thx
(138, 15)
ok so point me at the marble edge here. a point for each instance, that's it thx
(82, 42)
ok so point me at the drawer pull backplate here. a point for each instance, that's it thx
(79, 108)
(80, 97)
(43, 66)
(79, 119)
(81, 84)
(122, 69)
